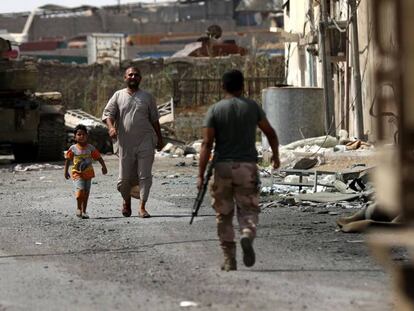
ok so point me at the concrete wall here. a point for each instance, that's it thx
(298, 61)
(370, 61)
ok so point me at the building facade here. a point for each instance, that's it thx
(304, 59)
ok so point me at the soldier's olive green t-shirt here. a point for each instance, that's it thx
(235, 121)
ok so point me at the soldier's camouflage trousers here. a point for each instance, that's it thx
(235, 186)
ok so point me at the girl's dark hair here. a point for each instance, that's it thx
(80, 127)
(233, 81)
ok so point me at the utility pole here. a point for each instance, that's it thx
(325, 53)
(357, 72)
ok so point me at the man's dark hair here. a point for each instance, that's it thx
(233, 81)
(80, 127)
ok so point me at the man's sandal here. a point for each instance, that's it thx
(126, 209)
(144, 214)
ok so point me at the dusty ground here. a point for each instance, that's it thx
(50, 260)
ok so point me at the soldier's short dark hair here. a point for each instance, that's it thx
(80, 127)
(233, 81)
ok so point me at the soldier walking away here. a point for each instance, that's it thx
(82, 154)
(131, 116)
(231, 124)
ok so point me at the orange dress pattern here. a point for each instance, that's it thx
(82, 158)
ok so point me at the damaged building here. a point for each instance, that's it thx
(151, 29)
(328, 46)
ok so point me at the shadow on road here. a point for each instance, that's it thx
(152, 216)
(314, 270)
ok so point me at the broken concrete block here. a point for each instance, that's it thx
(197, 146)
(178, 151)
(167, 148)
(338, 148)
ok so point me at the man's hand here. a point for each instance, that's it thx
(112, 132)
(276, 161)
(160, 145)
(104, 170)
(67, 175)
(200, 181)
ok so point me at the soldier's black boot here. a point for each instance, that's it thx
(249, 257)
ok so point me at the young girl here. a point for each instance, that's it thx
(82, 154)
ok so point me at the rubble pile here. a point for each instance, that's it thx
(181, 150)
(321, 172)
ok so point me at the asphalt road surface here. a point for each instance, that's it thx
(51, 260)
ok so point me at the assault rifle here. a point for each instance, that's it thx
(203, 189)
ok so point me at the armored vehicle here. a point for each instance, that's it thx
(31, 124)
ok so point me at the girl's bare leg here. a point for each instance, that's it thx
(85, 201)
(79, 201)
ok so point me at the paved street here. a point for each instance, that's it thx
(51, 260)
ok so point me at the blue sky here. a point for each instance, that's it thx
(9, 6)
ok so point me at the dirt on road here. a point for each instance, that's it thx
(51, 260)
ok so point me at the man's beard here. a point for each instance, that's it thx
(133, 84)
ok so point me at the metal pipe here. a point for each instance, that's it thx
(327, 72)
(347, 80)
(357, 72)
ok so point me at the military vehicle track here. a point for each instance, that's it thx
(52, 138)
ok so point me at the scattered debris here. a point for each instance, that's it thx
(36, 167)
(305, 163)
(289, 200)
(356, 145)
(322, 141)
(328, 197)
(174, 150)
(185, 304)
(172, 176)
(166, 112)
(342, 187)
(267, 205)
